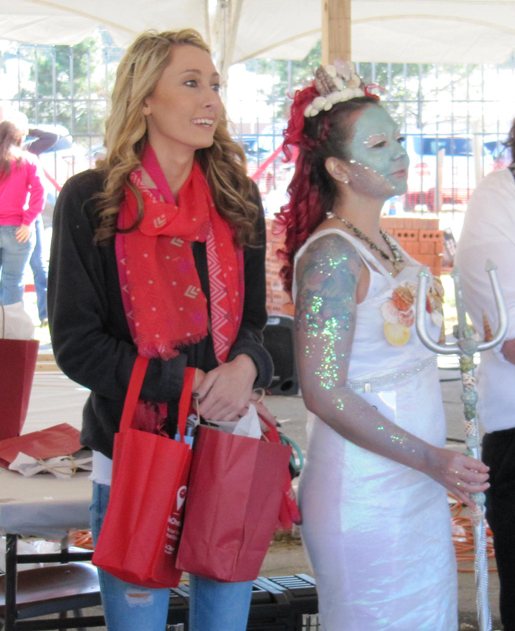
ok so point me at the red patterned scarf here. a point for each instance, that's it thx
(164, 302)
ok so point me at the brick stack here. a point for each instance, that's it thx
(277, 300)
(419, 237)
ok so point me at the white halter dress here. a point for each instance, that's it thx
(378, 533)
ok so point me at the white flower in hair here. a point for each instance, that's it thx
(319, 102)
(334, 97)
(334, 83)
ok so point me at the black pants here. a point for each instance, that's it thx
(499, 455)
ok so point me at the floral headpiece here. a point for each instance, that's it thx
(336, 83)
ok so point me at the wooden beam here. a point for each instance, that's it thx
(336, 30)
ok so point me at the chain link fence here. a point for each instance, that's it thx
(454, 117)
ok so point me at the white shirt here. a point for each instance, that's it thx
(102, 469)
(489, 233)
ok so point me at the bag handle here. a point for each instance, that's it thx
(131, 400)
(184, 401)
(271, 434)
(138, 375)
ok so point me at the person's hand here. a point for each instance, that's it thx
(23, 233)
(225, 392)
(459, 474)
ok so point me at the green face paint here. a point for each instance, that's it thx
(379, 163)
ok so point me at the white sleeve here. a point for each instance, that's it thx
(489, 233)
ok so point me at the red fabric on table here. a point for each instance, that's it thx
(59, 440)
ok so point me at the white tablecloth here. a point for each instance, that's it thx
(42, 505)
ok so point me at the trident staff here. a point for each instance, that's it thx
(466, 347)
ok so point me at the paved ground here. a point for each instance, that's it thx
(56, 399)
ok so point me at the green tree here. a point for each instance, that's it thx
(422, 94)
(69, 85)
(412, 92)
(289, 76)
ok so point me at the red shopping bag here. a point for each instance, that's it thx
(138, 540)
(17, 366)
(235, 491)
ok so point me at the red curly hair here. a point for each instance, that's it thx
(312, 190)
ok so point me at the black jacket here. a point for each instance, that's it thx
(90, 335)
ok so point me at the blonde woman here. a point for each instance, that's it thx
(20, 178)
(153, 252)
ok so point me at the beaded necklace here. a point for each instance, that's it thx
(396, 259)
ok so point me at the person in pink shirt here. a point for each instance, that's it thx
(22, 197)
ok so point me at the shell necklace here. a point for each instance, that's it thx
(395, 259)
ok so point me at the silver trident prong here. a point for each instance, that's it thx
(452, 349)
(466, 347)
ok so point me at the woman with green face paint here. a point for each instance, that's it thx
(376, 522)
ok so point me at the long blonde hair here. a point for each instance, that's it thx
(223, 164)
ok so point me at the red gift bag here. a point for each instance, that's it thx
(235, 491)
(139, 536)
(17, 365)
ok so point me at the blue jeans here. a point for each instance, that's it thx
(39, 269)
(14, 256)
(213, 606)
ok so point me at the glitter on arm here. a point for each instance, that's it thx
(325, 318)
(326, 305)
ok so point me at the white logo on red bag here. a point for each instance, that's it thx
(181, 496)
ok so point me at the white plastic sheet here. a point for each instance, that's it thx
(427, 31)
(18, 324)
(248, 425)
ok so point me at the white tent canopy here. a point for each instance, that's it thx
(432, 31)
